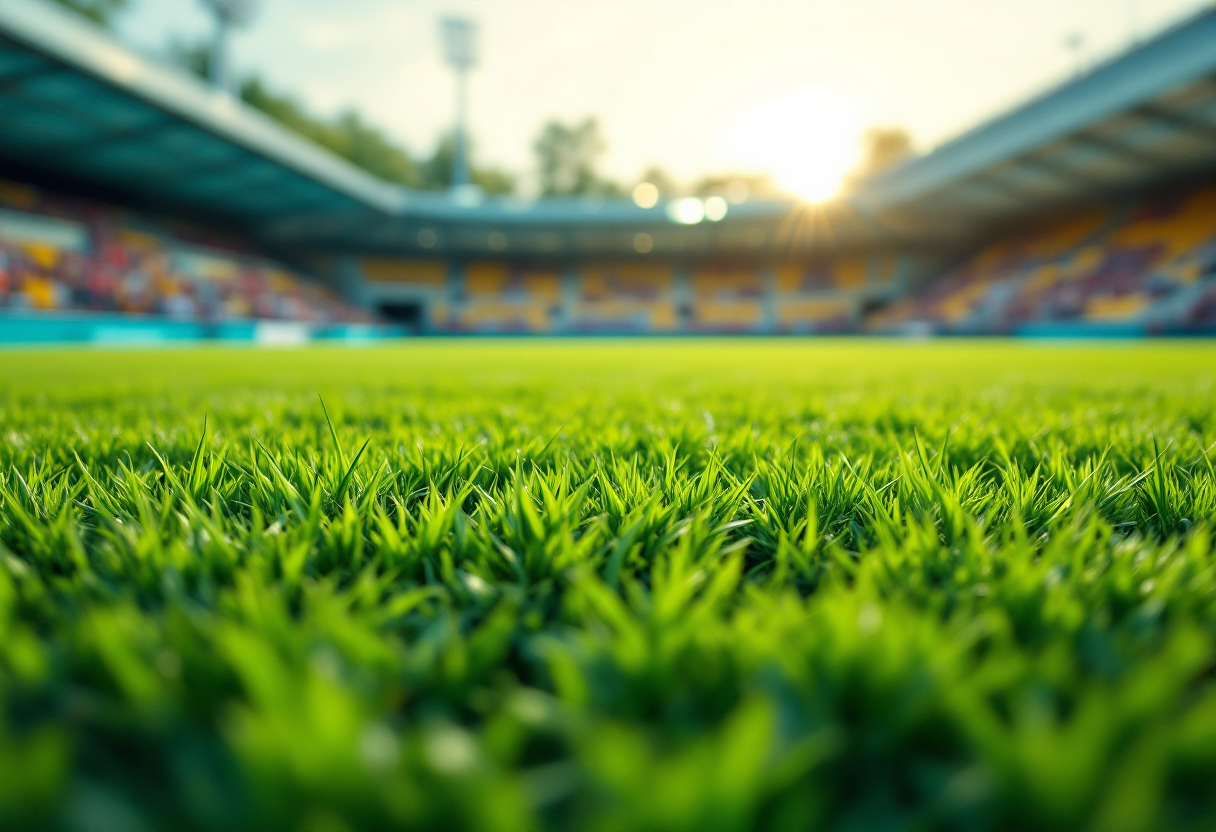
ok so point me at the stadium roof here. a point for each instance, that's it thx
(73, 101)
(1143, 118)
(75, 104)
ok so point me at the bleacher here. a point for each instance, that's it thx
(1142, 267)
(1147, 266)
(61, 255)
(727, 299)
(809, 316)
(506, 297)
(625, 297)
(822, 297)
(83, 109)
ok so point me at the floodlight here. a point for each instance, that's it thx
(646, 195)
(687, 211)
(228, 15)
(459, 42)
(460, 51)
(232, 12)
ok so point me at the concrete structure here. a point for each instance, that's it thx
(82, 113)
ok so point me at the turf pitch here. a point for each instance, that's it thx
(710, 585)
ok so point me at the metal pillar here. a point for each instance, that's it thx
(460, 52)
(460, 153)
(219, 55)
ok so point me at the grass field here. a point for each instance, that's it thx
(604, 585)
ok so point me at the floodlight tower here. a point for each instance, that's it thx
(460, 52)
(1075, 42)
(228, 15)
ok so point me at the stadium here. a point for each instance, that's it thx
(1079, 212)
(334, 501)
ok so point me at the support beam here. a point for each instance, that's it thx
(101, 142)
(103, 129)
(1056, 170)
(1120, 150)
(14, 83)
(1181, 122)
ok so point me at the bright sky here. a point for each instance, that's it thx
(696, 86)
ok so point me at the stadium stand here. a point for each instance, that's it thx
(963, 299)
(1200, 315)
(625, 297)
(505, 297)
(62, 254)
(825, 296)
(810, 316)
(1035, 222)
(847, 274)
(417, 274)
(1148, 265)
(727, 299)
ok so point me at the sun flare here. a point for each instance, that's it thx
(808, 140)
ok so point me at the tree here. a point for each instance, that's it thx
(348, 135)
(662, 180)
(436, 172)
(738, 187)
(884, 147)
(193, 57)
(102, 11)
(566, 157)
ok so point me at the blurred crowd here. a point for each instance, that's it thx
(1149, 264)
(70, 255)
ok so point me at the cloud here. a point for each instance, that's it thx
(325, 34)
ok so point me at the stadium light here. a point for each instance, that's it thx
(646, 195)
(1075, 43)
(460, 52)
(687, 211)
(228, 15)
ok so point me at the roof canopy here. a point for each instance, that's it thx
(1144, 118)
(75, 104)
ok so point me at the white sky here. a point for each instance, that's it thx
(674, 82)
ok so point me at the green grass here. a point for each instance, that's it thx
(702, 585)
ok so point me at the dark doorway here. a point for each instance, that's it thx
(871, 305)
(405, 313)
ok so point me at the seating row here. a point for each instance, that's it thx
(75, 256)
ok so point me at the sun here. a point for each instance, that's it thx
(807, 139)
